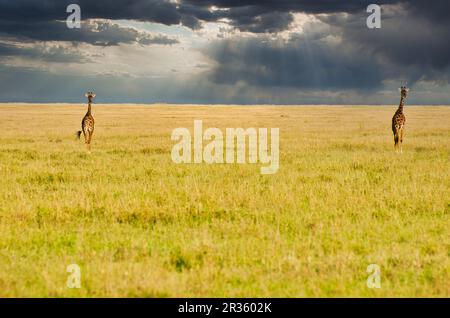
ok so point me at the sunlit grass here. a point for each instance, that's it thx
(139, 225)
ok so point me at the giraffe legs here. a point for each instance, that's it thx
(396, 141)
(401, 140)
(87, 140)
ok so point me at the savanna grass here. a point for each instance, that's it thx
(139, 225)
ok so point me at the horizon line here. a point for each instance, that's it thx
(210, 104)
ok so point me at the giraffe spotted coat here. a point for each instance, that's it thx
(399, 120)
(87, 124)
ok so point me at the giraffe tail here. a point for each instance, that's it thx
(78, 134)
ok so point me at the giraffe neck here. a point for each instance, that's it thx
(89, 108)
(402, 103)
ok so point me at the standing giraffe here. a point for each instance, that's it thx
(399, 120)
(87, 124)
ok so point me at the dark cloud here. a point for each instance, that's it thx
(306, 6)
(49, 10)
(417, 48)
(271, 16)
(95, 32)
(30, 12)
(302, 62)
(257, 16)
(158, 11)
(436, 11)
(339, 53)
(258, 21)
(249, 15)
(191, 12)
(45, 21)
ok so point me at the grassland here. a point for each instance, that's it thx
(139, 225)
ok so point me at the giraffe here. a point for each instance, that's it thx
(399, 120)
(87, 124)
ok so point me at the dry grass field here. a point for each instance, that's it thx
(139, 225)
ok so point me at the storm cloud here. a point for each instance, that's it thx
(257, 16)
(339, 52)
(261, 50)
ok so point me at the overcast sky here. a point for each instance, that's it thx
(225, 51)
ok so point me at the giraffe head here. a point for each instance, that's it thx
(90, 96)
(403, 91)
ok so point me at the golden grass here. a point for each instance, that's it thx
(139, 225)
